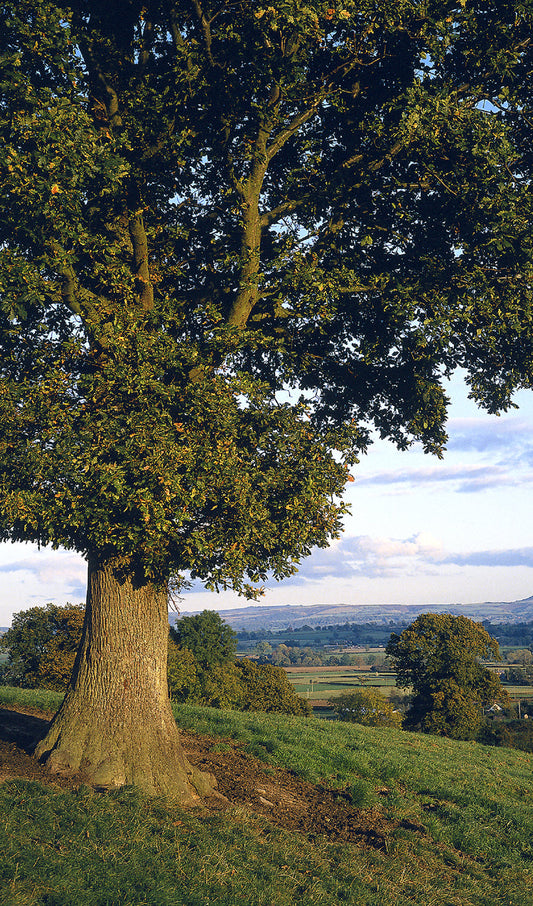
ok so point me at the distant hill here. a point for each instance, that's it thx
(264, 617)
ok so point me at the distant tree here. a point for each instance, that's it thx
(438, 655)
(523, 656)
(519, 676)
(281, 656)
(42, 644)
(368, 707)
(263, 650)
(209, 638)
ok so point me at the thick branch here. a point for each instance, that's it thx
(80, 301)
(139, 242)
(206, 29)
(248, 293)
(292, 128)
(288, 207)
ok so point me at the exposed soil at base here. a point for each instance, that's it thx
(243, 781)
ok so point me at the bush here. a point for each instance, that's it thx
(513, 734)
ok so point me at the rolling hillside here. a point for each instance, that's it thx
(281, 617)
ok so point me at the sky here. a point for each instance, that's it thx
(421, 530)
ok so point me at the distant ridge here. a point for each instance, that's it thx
(281, 617)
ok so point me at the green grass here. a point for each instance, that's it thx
(471, 804)
(326, 683)
(30, 698)
(323, 683)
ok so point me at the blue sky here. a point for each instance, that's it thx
(458, 530)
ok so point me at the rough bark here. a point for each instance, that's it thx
(115, 726)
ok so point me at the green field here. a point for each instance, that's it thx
(326, 683)
(323, 683)
(458, 817)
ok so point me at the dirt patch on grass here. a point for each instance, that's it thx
(286, 800)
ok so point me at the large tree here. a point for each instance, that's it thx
(438, 656)
(204, 204)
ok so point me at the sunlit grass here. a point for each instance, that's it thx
(458, 818)
(43, 699)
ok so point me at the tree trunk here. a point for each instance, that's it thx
(115, 725)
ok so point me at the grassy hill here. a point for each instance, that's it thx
(454, 819)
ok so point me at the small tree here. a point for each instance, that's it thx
(438, 655)
(209, 638)
(42, 644)
(368, 707)
(263, 650)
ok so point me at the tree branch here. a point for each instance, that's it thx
(80, 301)
(205, 26)
(139, 242)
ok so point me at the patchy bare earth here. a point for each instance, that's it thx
(243, 781)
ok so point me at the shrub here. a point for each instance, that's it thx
(367, 707)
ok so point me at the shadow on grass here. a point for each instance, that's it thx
(22, 730)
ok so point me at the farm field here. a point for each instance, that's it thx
(323, 684)
(414, 820)
(326, 683)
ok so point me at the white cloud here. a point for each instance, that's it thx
(381, 557)
(31, 578)
(462, 478)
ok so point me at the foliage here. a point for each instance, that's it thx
(222, 687)
(513, 734)
(267, 688)
(203, 204)
(368, 707)
(182, 673)
(207, 636)
(438, 656)
(42, 644)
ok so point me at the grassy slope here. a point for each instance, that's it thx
(472, 802)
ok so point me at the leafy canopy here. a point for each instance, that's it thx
(203, 204)
(368, 707)
(207, 637)
(438, 656)
(41, 645)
